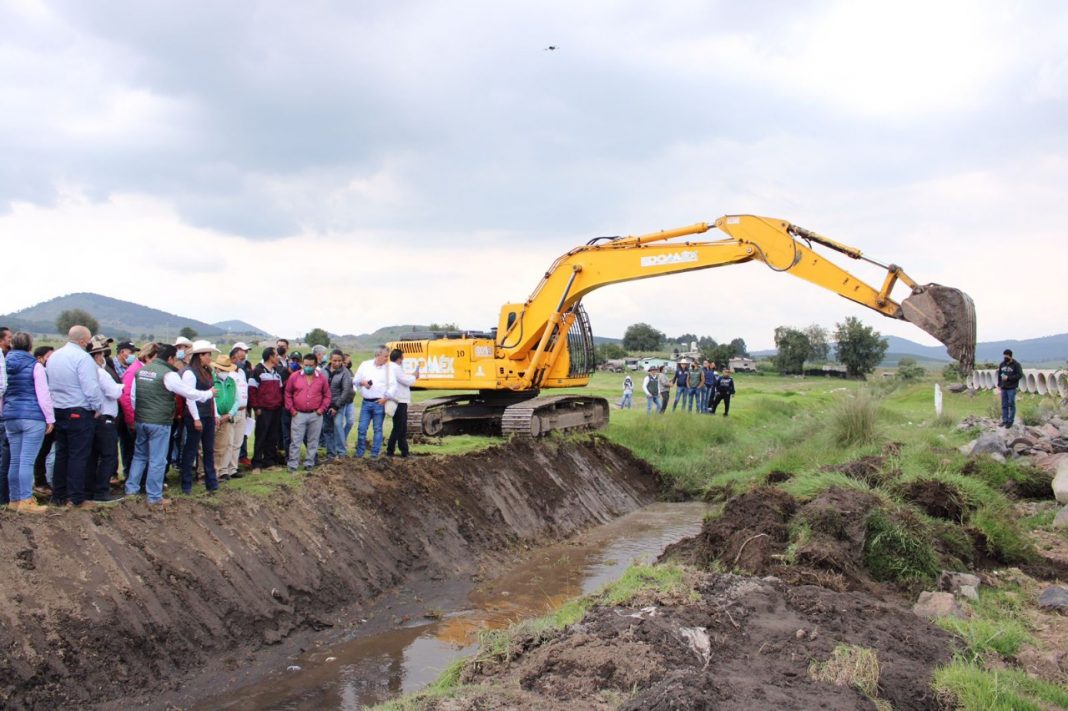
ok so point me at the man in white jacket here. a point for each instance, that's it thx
(399, 391)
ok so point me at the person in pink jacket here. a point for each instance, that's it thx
(146, 356)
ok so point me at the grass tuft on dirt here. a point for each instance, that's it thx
(894, 554)
(854, 420)
(853, 666)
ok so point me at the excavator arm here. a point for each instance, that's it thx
(528, 330)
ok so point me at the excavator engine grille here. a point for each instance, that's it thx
(580, 344)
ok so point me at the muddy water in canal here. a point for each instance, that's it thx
(374, 668)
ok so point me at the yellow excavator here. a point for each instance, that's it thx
(546, 342)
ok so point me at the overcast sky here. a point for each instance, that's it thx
(356, 165)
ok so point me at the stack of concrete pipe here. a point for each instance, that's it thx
(1036, 381)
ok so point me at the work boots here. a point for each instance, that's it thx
(28, 506)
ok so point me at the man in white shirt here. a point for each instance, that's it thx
(372, 380)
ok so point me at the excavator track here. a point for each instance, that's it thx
(559, 413)
(529, 417)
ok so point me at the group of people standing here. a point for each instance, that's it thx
(67, 413)
(698, 387)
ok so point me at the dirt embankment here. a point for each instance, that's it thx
(98, 606)
(737, 642)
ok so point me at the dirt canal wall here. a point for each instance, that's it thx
(97, 606)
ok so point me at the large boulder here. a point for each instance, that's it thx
(989, 443)
(1054, 598)
(1061, 519)
(1060, 483)
(938, 604)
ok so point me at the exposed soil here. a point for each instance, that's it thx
(870, 470)
(761, 637)
(935, 498)
(118, 603)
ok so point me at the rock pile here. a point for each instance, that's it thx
(1043, 446)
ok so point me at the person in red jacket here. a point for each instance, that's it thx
(307, 398)
(266, 398)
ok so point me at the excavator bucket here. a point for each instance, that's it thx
(948, 314)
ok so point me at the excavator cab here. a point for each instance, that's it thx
(948, 314)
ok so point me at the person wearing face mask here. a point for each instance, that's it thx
(123, 361)
(307, 398)
(239, 357)
(177, 441)
(76, 396)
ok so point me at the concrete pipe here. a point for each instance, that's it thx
(989, 381)
(1031, 380)
(1041, 387)
(1061, 379)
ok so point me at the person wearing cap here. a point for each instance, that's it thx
(651, 388)
(665, 389)
(104, 459)
(28, 415)
(239, 357)
(1009, 374)
(724, 390)
(153, 395)
(266, 397)
(125, 355)
(72, 380)
(199, 417)
(307, 398)
(231, 403)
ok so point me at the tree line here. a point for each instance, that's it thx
(858, 347)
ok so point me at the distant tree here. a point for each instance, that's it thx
(443, 327)
(819, 346)
(76, 317)
(908, 369)
(739, 347)
(188, 332)
(793, 350)
(642, 337)
(609, 351)
(720, 355)
(860, 347)
(686, 339)
(317, 337)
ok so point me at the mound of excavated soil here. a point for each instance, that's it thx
(99, 606)
(745, 643)
(755, 530)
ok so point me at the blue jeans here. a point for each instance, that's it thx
(335, 439)
(151, 443)
(627, 400)
(652, 403)
(24, 437)
(702, 398)
(1008, 406)
(350, 419)
(680, 392)
(370, 410)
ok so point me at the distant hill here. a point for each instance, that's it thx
(242, 327)
(117, 318)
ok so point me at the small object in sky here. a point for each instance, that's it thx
(552, 48)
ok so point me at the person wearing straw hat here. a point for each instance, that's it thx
(199, 417)
(104, 459)
(230, 404)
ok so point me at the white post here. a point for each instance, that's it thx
(938, 399)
